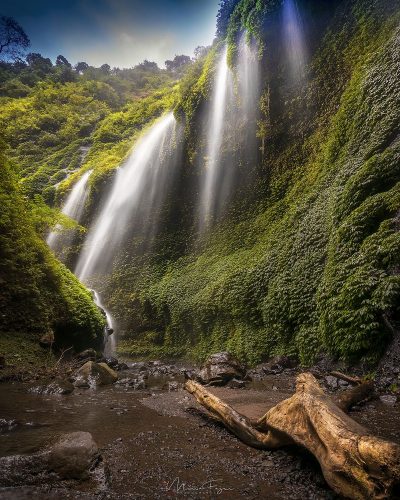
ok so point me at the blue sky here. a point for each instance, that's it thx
(118, 32)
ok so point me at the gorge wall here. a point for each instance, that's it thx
(279, 232)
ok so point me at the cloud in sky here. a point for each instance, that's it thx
(118, 32)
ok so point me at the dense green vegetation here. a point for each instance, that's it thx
(313, 264)
(305, 260)
(51, 126)
(39, 295)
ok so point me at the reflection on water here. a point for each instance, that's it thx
(106, 412)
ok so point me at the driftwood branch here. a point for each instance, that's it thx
(354, 463)
(347, 378)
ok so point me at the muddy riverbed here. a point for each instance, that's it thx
(155, 444)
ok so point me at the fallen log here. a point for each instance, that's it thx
(354, 463)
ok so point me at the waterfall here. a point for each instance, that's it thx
(109, 337)
(247, 112)
(135, 191)
(231, 119)
(216, 124)
(294, 40)
(73, 207)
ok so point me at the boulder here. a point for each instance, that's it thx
(92, 374)
(73, 455)
(220, 368)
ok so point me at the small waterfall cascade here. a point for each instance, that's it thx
(216, 124)
(134, 190)
(294, 39)
(73, 207)
(109, 337)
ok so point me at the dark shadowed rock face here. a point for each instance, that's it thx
(220, 368)
(73, 455)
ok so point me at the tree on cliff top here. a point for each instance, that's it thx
(13, 39)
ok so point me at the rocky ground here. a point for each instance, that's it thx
(151, 439)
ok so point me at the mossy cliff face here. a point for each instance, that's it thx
(306, 256)
(39, 296)
(312, 265)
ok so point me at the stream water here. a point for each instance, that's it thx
(155, 445)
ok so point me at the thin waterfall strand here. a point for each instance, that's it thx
(109, 338)
(293, 35)
(73, 207)
(214, 141)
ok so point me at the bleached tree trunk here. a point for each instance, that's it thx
(354, 463)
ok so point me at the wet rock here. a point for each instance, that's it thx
(121, 367)
(21, 470)
(388, 399)
(57, 386)
(137, 383)
(8, 425)
(73, 455)
(172, 385)
(47, 340)
(140, 385)
(87, 355)
(236, 384)
(220, 368)
(331, 382)
(286, 362)
(111, 362)
(92, 374)
(277, 364)
(272, 369)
